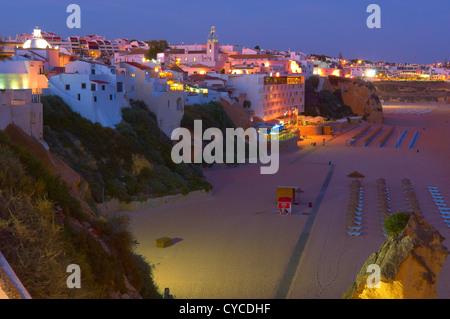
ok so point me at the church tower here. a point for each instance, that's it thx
(212, 45)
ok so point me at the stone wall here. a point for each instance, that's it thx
(114, 206)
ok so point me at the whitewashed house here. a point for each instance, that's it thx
(93, 90)
(158, 90)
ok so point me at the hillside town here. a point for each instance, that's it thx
(97, 77)
(143, 156)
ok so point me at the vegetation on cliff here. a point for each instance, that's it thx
(396, 223)
(132, 161)
(43, 229)
(324, 103)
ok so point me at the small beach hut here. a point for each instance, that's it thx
(289, 191)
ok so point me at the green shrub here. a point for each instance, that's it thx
(396, 223)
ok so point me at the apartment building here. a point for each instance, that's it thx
(270, 96)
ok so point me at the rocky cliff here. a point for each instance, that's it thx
(361, 96)
(414, 91)
(409, 264)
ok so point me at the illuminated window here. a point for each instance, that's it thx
(195, 59)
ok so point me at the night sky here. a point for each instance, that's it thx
(409, 28)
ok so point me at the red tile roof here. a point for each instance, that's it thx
(139, 66)
(251, 56)
(99, 82)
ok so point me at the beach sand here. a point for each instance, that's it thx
(233, 245)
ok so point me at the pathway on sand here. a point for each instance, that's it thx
(292, 265)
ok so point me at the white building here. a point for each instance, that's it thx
(158, 90)
(22, 74)
(93, 90)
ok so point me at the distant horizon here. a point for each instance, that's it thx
(411, 31)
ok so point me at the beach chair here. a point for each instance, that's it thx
(353, 233)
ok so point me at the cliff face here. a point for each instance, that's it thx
(58, 167)
(414, 91)
(409, 265)
(360, 96)
(237, 113)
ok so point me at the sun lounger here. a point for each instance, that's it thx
(441, 204)
(354, 228)
(353, 233)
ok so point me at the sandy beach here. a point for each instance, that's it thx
(233, 245)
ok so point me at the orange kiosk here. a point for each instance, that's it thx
(289, 191)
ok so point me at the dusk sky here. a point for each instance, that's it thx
(409, 28)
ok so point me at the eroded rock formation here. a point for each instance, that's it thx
(361, 96)
(409, 264)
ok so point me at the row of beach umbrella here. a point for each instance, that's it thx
(384, 202)
(355, 209)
